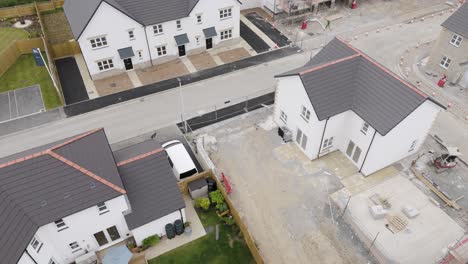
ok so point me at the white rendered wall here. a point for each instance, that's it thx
(109, 22)
(25, 259)
(246, 4)
(210, 18)
(289, 98)
(156, 227)
(81, 228)
(395, 145)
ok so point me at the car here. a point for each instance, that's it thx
(179, 159)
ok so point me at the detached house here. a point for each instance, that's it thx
(120, 35)
(73, 197)
(343, 100)
(449, 55)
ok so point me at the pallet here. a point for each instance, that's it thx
(396, 223)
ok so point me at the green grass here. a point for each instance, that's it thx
(25, 73)
(10, 35)
(229, 249)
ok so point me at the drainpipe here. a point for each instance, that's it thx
(370, 145)
(181, 215)
(147, 43)
(323, 135)
(27, 253)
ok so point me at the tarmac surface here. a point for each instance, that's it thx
(73, 87)
(274, 34)
(21, 102)
(253, 39)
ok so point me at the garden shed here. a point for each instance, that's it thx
(198, 188)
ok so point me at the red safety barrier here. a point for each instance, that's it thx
(227, 185)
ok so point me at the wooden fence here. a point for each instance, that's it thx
(65, 49)
(248, 239)
(9, 56)
(29, 9)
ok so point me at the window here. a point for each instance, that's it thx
(105, 65)
(305, 113)
(226, 34)
(60, 224)
(178, 24)
(52, 261)
(301, 139)
(74, 247)
(98, 42)
(327, 143)
(36, 244)
(283, 117)
(445, 62)
(456, 40)
(102, 208)
(199, 19)
(413, 145)
(131, 34)
(225, 13)
(161, 50)
(140, 54)
(113, 233)
(357, 154)
(158, 29)
(365, 128)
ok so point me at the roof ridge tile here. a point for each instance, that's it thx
(142, 156)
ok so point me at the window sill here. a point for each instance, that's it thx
(105, 212)
(305, 119)
(98, 48)
(365, 133)
(61, 229)
(106, 70)
(159, 34)
(225, 18)
(443, 67)
(453, 44)
(76, 250)
(132, 39)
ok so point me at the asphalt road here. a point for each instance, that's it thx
(136, 117)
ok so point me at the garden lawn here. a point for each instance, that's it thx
(10, 35)
(25, 73)
(229, 249)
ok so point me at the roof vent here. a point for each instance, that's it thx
(43, 203)
(92, 185)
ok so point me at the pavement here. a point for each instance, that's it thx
(73, 87)
(21, 102)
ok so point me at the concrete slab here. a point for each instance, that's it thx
(134, 79)
(113, 84)
(88, 82)
(21, 102)
(424, 239)
(188, 64)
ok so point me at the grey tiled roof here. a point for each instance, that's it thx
(458, 21)
(43, 188)
(151, 188)
(340, 78)
(145, 12)
(197, 184)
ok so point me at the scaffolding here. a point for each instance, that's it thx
(295, 7)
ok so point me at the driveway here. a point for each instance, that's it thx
(73, 87)
(281, 195)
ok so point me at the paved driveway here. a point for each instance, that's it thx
(281, 195)
(73, 87)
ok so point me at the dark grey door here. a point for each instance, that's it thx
(128, 64)
(357, 154)
(113, 233)
(209, 43)
(349, 150)
(101, 238)
(182, 50)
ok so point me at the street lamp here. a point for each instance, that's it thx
(182, 105)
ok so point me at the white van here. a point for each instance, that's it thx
(179, 159)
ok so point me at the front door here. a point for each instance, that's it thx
(113, 233)
(101, 238)
(128, 64)
(181, 50)
(209, 43)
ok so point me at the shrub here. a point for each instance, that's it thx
(203, 203)
(216, 197)
(229, 220)
(150, 241)
(222, 207)
(187, 224)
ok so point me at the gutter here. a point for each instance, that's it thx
(368, 149)
(323, 135)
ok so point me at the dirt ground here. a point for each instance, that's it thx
(233, 55)
(113, 84)
(162, 72)
(282, 196)
(202, 61)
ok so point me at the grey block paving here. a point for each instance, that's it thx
(21, 102)
(4, 107)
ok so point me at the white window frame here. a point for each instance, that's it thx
(225, 13)
(158, 29)
(74, 246)
(445, 62)
(98, 42)
(456, 40)
(131, 34)
(102, 208)
(199, 18)
(413, 145)
(327, 143)
(225, 34)
(365, 128)
(305, 113)
(140, 54)
(161, 51)
(60, 225)
(105, 65)
(178, 24)
(283, 116)
(36, 244)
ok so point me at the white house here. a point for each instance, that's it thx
(74, 197)
(120, 35)
(343, 100)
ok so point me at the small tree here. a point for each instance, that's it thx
(203, 203)
(222, 207)
(150, 241)
(217, 197)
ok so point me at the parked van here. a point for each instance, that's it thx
(179, 159)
